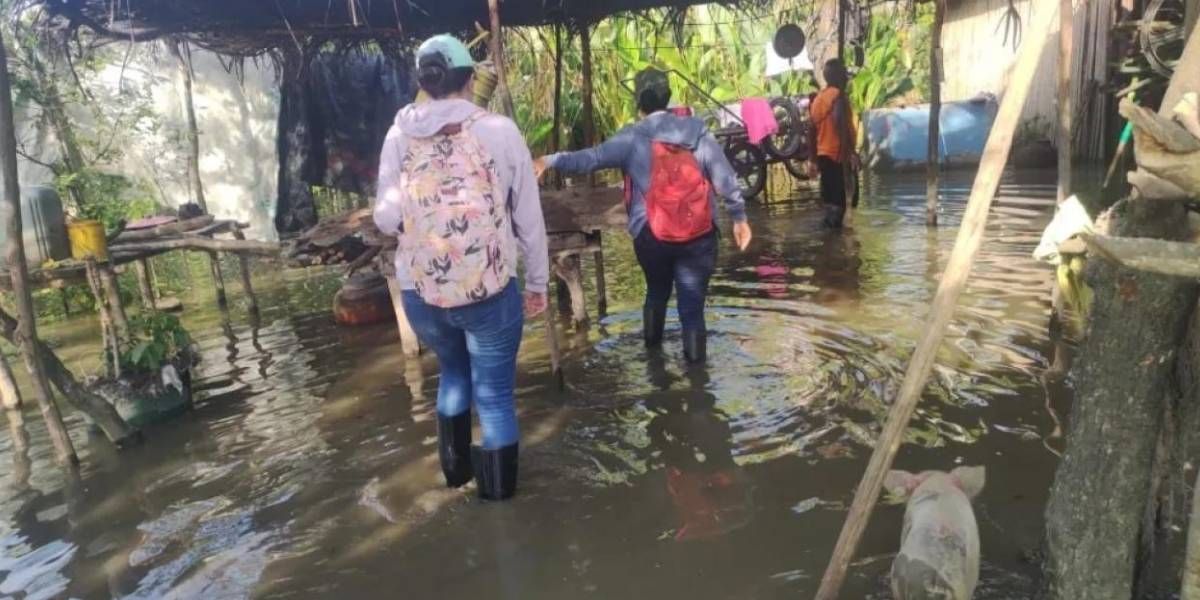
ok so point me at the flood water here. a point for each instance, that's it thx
(309, 468)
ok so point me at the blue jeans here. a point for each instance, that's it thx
(476, 346)
(686, 267)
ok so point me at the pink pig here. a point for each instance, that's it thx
(939, 547)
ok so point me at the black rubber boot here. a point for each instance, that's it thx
(495, 471)
(454, 448)
(695, 346)
(654, 320)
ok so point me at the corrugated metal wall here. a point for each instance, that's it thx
(977, 58)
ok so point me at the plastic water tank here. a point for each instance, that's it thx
(43, 226)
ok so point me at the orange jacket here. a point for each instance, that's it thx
(829, 143)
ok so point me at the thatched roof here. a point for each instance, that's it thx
(246, 24)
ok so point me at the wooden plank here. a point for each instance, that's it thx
(933, 161)
(953, 281)
(584, 209)
(177, 227)
(1066, 33)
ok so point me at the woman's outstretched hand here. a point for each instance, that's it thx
(539, 167)
(535, 304)
(742, 235)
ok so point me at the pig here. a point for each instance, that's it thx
(939, 547)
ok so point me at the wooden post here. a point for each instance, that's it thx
(10, 394)
(1066, 32)
(409, 342)
(1191, 566)
(183, 54)
(556, 135)
(110, 339)
(144, 285)
(10, 214)
(214, 264)
(568, 268)
(244, 267)
(934, 157)
(589, 100)
(601, 282)
(953, 280)
(112, 294)
(552, 346)
(496, 49)
(841, 41)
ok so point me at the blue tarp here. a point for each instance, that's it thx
(897, 137)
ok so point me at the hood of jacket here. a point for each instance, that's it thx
(672, 129)
(428, 118)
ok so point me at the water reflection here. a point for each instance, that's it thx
(309, 468)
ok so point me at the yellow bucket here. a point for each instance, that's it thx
(87, 240)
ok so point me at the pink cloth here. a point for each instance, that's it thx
(759, 118)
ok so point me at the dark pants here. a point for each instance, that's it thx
(685, 267)
(833, 190)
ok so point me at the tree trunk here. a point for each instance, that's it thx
(26, 331)
(183, 54)
(95, 407)
(1095, 518)
(50, 99)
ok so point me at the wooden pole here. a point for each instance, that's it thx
(10, 394)
(244, 267)
(112, 294)
(496, 49)
(953, 280)
(183, 54)
(841, 41)
(10, 214)
(933, 158)
(144, 285)
(556, 135)
(214, 264)
(1066, 33)
(1191, 566)
(108, 331)
(589, 100)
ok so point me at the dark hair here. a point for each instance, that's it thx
(651, 101)
(438, 79)
(836, 74)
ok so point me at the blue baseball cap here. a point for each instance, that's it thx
(454, 52)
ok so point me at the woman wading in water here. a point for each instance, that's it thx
(457, 187)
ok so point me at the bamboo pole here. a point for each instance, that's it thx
(933, 157)
(112, 294)
(214, 265)
(841, 31)
(556, 135)
(10, 214)
(1066, 33)
(496, 49)
(953, 280)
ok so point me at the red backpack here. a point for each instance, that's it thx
(677, 202)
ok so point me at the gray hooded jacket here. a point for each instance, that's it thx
(630, 151)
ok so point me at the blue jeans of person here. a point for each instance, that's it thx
(476, 346)
(685, 267)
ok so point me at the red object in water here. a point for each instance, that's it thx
(710, 504)
(363, 303)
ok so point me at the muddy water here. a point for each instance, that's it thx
(308, 468)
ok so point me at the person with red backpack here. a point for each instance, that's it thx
(457, 188)
(674, 169)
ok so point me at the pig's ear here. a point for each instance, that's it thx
(970, 480)
(900, 484)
